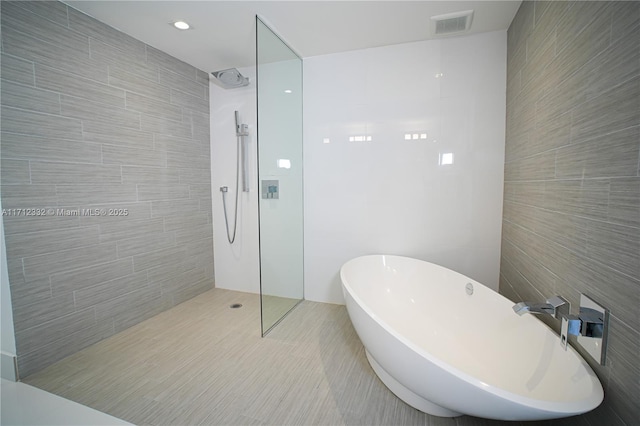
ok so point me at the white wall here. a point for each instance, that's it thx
(236, 266)
(281, 220)
(390, 195)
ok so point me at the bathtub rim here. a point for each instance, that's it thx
(566, 408)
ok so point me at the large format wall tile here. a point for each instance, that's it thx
(109, 138)
(26, 147)
(388, 190)
(61, 81)
(45, 52)
(571, 217)
(36, 124)
(25, 97)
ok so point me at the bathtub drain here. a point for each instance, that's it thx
(469, 289)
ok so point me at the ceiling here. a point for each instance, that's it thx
(223, 34)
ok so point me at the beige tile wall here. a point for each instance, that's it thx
(571, 220)
(94, 119)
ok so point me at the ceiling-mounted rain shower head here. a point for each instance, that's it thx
(231, 78)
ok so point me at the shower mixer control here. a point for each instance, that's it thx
(270, 189)
(242, 130)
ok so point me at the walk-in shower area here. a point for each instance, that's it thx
(298, 213)
(256, 120)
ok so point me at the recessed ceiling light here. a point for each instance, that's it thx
(181, 25)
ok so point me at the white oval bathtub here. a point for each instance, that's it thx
(449, 353)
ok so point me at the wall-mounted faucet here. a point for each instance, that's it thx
(590, 325)
(555, 306)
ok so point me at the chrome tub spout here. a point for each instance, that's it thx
(556, 307)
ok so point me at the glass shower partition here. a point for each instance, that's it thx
(279, 93)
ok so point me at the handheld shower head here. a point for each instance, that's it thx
(231, 78)
(241, 129)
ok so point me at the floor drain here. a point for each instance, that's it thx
(236, 306)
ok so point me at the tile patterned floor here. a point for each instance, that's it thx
(202, 363)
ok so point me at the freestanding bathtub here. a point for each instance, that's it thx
(447, 345)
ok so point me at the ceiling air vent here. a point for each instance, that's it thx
(452, 23)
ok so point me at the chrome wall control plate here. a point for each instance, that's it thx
(596, 343)
(270, 190)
